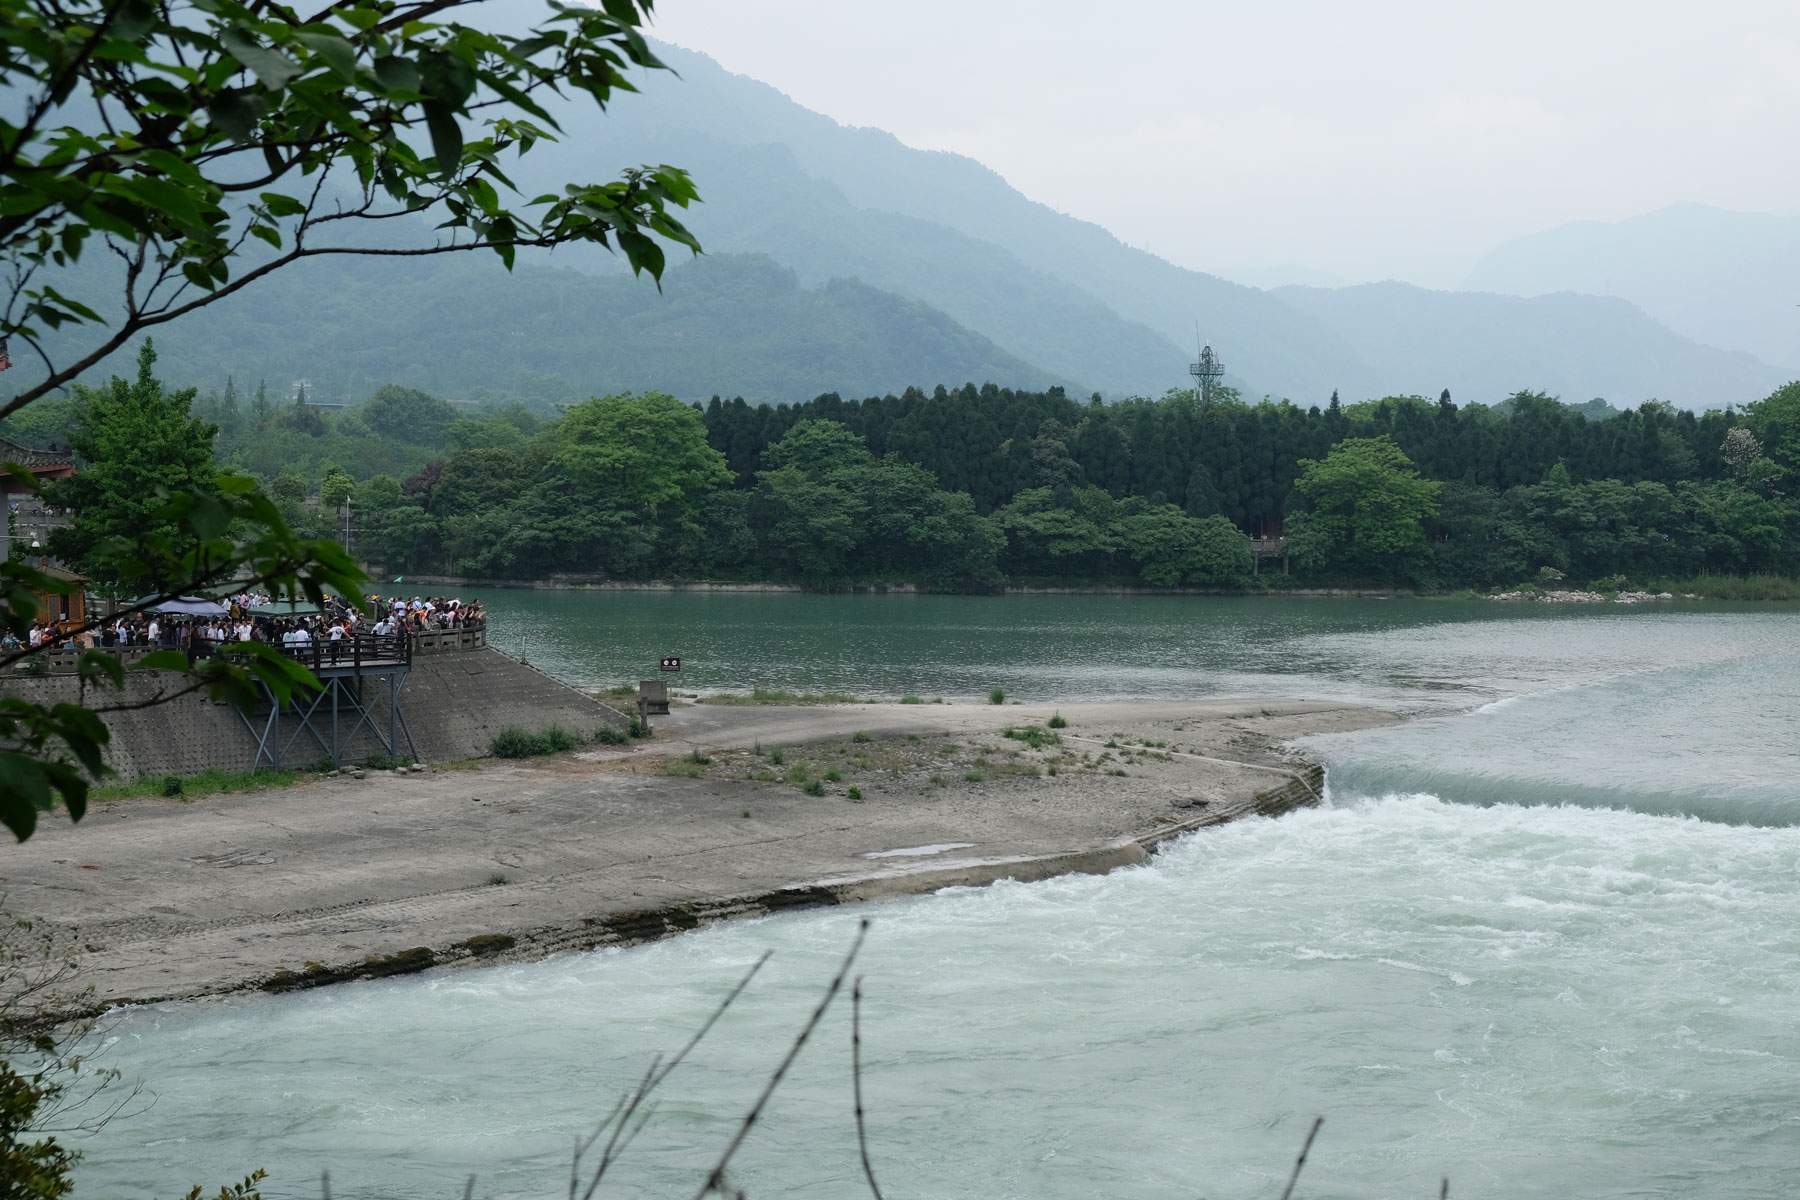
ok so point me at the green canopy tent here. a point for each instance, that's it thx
(282, 610)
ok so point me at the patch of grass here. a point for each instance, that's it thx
(746, 814)
(833, 775)
(385, 762)
(620, 689)
(1117, 771)
(974, 776)
(912, 737)
(777, 755)
(763, 776)
(606, 735)
(513, 742)
(777, 696)
(798, 774)
(909, 699)
(697, 758)
(861, 735)
(683, 769)
(997, 696)
(1035, 736)
(1057, 721)
(855, 793)
(814, 788)
(637, 729)
(206, 783)
(938, 781)
(1052, 768)
(498, 879)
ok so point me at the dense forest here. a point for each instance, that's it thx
(974, 487)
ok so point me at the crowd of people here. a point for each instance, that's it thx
(255, 617)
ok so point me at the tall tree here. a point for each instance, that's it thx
(1368, 506)
(136, 444)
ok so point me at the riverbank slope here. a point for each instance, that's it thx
(727, 812)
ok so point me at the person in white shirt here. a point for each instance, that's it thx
(154, 632)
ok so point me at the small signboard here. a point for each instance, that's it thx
(671, 664)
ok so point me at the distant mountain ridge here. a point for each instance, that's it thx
(1731, 279)
(830, 199)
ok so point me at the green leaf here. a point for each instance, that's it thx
(446, 137)
(273, 68)
(280, 205)
(235, 113)
(24, 793)
(338, 54)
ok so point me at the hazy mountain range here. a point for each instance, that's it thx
(1727, 278)
(873, 266)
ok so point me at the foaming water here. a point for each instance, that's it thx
(1509, 950)
(1533, 1001)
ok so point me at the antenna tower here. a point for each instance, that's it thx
(1206, 373)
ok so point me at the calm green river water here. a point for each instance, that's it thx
(1544, 939)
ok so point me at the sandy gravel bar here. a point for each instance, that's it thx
(344, 879)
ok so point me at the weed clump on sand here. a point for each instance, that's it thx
(861, 735)
(1057, 721)
(997, 696)
(606, 735)
(513, 742)
(1035, 736)
(854, 793)
(815, 787)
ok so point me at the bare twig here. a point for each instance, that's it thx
(862, 1137)
(1301, 1161)
(715, 1179)
(627, 1118)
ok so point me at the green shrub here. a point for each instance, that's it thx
(833, 775)
(560, 739)
(171, 785)
(855, 793)
(997, 696)
(37, 664)
(974, 777)
(1057, 721)
(513, 742)
(797, 774)
(697, 758)
(777, 755)
(637, 729)
(1035, 736)
(815, 787)
(909, 699)
(606, 735)
(861, 735)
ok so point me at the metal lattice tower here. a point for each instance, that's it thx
(1206, 372)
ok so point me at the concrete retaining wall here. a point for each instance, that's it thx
(453, 705)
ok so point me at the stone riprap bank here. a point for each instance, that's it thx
(453, 704)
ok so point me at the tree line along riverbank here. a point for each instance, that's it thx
(985, 489)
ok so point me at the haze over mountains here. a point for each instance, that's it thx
(1730, 279)
(841, 260)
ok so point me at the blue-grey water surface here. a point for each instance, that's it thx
(1544, 940)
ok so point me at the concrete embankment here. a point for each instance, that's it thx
(349, 879)
(452, 704)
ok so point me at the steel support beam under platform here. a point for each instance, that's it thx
(323, 715)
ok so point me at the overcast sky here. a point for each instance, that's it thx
(1368, 140)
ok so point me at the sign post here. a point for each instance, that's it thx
(671, 664)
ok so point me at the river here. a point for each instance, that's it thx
(1544, 939)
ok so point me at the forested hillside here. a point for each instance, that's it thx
(974, 487)
(463, 327)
